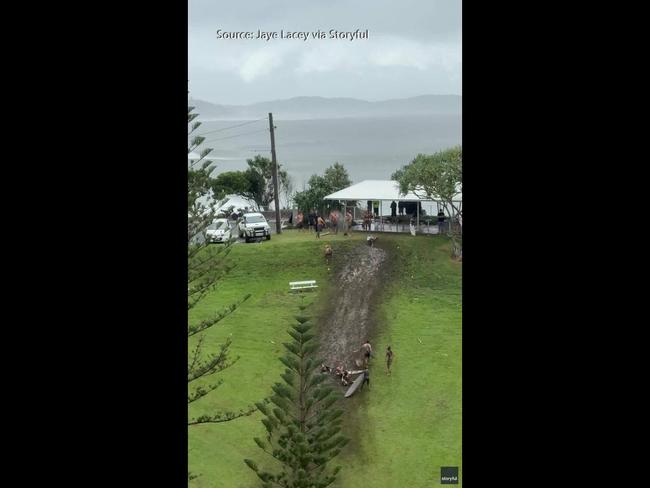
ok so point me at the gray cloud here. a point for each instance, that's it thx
(414, 48)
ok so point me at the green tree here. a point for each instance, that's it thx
(249, 184)
(305, 200)
(303, 428)
(334, 179)
(263, 167)
(256, 186)
(231, 182)
(439, 177)
(206, 266)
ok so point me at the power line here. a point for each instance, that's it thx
(195, 148)
(194, 163)
(231, 127)
(236, 135)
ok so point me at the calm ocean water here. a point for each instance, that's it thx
(369, 148)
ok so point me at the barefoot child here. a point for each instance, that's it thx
(328, 252)
(367, 351)
(389, 359)
(366, 379)
(348, 223)
(320, 225)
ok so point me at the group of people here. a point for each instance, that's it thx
(345, 375)
(238, 213)
(366, 348)
(367, 220)
(315, 221)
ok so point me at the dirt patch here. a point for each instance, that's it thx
(349, 317)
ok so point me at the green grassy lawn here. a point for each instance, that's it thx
(216, 451)
(409, 423)
(405, 427)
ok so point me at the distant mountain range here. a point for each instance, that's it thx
(321, 108)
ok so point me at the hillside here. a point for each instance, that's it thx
(320, 108)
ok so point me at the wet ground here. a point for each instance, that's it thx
(349, 319)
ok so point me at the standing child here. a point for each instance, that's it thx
(367, 351)
(320, 223)
(389, 359)
(348, 222)
(328, 253)
(366, 379)
(312, 220)
(299, 220)
(334, 221)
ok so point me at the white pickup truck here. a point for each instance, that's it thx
(253, 226)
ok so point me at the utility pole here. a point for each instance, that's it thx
(278, 224)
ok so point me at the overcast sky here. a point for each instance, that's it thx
(414, 48)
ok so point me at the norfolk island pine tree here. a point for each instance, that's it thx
(303, 429)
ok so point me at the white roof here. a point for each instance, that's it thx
(236, 201)
(376, 190)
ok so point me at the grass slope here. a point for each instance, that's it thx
(405, 427)
(216, 451)
(409, 423)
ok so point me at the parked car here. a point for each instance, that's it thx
(253, 225)
(219, 231)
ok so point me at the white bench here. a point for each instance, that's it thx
(302, 285)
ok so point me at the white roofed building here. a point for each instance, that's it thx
(386, 192)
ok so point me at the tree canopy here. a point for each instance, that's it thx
(334, 179)
(439, 177)
(436, 176)
(260, 170)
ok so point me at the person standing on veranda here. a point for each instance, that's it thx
(441, 221)
(367, 220)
